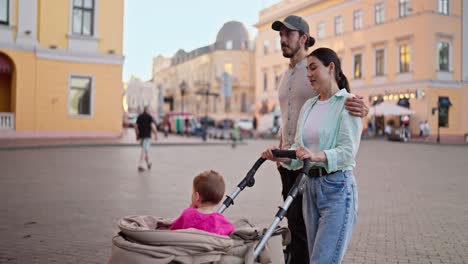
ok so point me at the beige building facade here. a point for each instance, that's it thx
(408, 52)
(138, 95)
(224, 70)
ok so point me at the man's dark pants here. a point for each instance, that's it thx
(298, 247)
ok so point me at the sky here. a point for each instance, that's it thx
(157, 27)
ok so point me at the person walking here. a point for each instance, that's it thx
(421, 130)
(294, 90)
(145, 124)
(254, 126)
(329, 136)
(427, 130)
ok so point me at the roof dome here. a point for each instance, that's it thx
(235, 32)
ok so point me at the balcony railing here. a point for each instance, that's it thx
(7, 121)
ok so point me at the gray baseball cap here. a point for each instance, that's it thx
(296, 23)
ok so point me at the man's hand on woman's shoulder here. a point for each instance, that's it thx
(356, 106)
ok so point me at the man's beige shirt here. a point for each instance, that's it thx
(294, 90)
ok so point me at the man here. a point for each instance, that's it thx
(145, 124)
(294, 90)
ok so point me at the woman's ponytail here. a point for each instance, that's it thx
(342, 81)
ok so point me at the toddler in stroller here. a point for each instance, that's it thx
(208, 190)
(148, 240)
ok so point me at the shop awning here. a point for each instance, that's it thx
(388, 109)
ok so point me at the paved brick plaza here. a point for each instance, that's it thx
(60, 205)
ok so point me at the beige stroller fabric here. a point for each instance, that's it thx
(147, 240)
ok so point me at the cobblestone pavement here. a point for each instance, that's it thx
(60, 205)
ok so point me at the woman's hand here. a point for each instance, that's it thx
(303, 153)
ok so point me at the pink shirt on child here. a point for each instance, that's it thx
(213, 223)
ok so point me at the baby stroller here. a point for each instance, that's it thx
(147, 239)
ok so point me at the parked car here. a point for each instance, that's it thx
(181, 123)
(208, 121)
(269, 125)
(245, 124)
(225, 123)
(245, 127)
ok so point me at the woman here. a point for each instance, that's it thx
(329, 136)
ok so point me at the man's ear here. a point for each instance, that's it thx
(304, 39)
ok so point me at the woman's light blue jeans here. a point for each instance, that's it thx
(330, 206)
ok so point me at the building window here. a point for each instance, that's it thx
(357, 66)
(404, 7)
(80, 95)
(405, 58)
(229, 45)
(245, 45)
(338, 25)
(4, 12)
(265, 82)
(379, 62)
(244, 72)
(443, 50)
(266, 43)
(443, 7)
(357, 19)
(244, 105)
(83, 17)
(277, 80)
(321, 30)
(227, 104)
(444, 105)
(379, 13)
(277, 43)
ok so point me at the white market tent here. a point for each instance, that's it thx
(388, 109)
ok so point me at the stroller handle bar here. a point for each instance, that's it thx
(283, 153)
(249, 179)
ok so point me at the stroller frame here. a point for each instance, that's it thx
(249, 181)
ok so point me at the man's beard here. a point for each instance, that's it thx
(293, 51)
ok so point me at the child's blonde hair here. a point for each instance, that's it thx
(210, 186)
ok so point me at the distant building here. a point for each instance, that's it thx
(61, 67)
(140, 94)
(224, 68)
(407, 52)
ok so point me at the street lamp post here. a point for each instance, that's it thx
(437, 109)
(207, 94)
(183, 88)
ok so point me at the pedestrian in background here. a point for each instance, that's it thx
(295, 89)
(427, 130)
(254, 126)
(145, 124)
(421, 129)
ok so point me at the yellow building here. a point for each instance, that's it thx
(228, 63)
(407, 52)
(61, 68)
